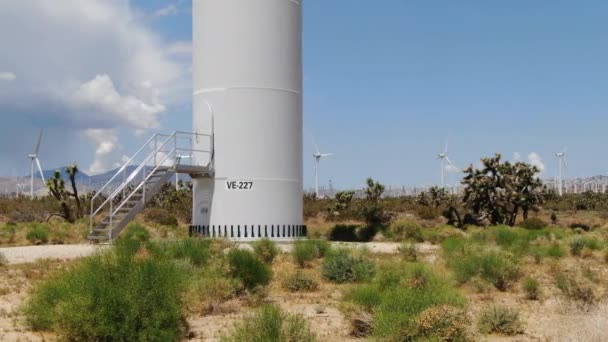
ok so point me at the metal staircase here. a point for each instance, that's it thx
(143, 176)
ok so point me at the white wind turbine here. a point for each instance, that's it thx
(561, 160)
(317, 155)
(443, 158)
(34, 160)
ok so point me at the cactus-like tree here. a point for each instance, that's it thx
(499, 190)
(72, 171)
(56, 186)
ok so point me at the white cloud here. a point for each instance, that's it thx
(168, 10)
(7, 76)
(516, 156)
(535, 160)
(451, 168)
(86, 65)
(100, 95)
(107, 144)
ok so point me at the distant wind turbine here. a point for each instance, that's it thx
(34, 160)
(317, 155)
(561, 160)
(443, 158)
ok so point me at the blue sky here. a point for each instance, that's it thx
(386, 82)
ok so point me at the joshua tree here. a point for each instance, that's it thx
(498, 190)
(372, 210)
(72, 170)
(56, 186)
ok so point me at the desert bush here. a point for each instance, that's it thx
(136, 231)
(440, 323)
(531, 287)
(534, 223)
(407, 229)
(576, 246)
(575, 288)
(211, 287)
(408, 251)
(112, 297)
(342, 266)
(38, 234)
(266, 250)
(497, 267)
(300, 281)
(555, 250)
(161, 217)
(427, 213)
(195, 251)
(271, 324)
(501, 320)
(397, 295)
(305, 251)
(8, 233)
(244, 265)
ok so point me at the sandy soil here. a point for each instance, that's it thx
(25, 254)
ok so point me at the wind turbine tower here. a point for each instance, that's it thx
(317, 155)
(443, 158)
(34, 160)
(561, 160)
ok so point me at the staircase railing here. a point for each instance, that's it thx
(160, 151)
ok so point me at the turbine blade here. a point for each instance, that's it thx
(452, 164)
(447, 141)
(40, 170)
(327, 154)
(38, 144)
(314, 143)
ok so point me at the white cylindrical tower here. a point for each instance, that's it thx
(247, 70)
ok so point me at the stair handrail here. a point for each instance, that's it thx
(142, 183)
(131, 176)
(127, 180)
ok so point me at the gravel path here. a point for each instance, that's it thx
(25, 254)
(19, 255)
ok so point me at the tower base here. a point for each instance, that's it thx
(250, 233)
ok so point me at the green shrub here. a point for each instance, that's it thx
(8, 233)
(498, 268)
(300, 281)
(245, 266)
(533, 223)
(397, 295)
(427, 213)
(440, 323)
(195, 251)
(575, 288)
(305, 251)
(407, 229)
(270, 324)
(38, 234)
(111, 298)
(531, 287)
(266, 250)
(161, 216)
(136, 231)
(576, 246)
(501, 320)
(343, 266)
(555, 250)
(408, 251)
